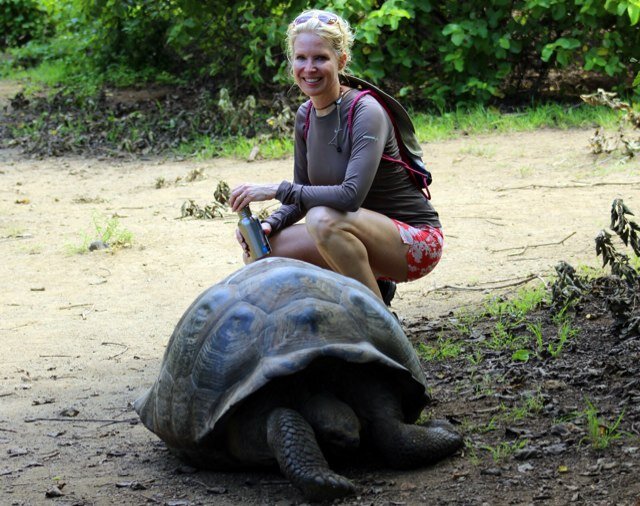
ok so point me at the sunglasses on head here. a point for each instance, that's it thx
(327, 19)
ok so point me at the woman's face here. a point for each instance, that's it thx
(315, 67)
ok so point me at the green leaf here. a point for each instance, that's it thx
(521, 355)
(504, 43)
(457, 38)
(634, 13)
(450, 28)
(622, 6)
(568, 43)
(636, 81)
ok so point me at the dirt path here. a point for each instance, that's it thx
(87, 332)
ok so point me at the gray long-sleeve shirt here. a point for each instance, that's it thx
(344, 170)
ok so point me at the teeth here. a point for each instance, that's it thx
(312, 80)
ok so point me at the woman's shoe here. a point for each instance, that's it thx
(387, 289)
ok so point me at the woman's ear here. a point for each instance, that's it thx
(342, 61)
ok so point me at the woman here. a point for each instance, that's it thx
(364, 217)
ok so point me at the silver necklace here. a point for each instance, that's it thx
(336, 132)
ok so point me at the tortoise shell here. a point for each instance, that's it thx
(271, 319)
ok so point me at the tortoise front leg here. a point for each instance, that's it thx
(295, 448)
(407, 446)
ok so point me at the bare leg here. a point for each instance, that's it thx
(295, 242)
(361, 245)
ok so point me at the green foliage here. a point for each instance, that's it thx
(442, 349)
(503, 450)
(106, 230)
(525, 301)
(431, 53)
(20, 22)
(599, 434)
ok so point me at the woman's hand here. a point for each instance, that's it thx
(245, 248)
(246, 193)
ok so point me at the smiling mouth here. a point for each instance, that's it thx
(311, 80)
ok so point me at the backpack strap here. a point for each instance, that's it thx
(415, 174)
(419, 177)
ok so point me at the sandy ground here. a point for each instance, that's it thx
(84, 334)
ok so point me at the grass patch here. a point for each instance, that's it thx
(531, 404)
(106, 230)
(503, 450)
(599, 435)
(486, 120)
(479, 150)
(73, 75)
(205, 147)
(525, 301)
(56, 74)
(442, 349)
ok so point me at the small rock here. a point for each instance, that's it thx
(53, 491)
(556, 449)
(133, 485)
(17, 452)
(39, 402)
(185, 470)
(216, 490)
(523, 468)
(528, 452)
(555, 384)
(492, 471)
(560, 429)
(98, 245)
(70, 412)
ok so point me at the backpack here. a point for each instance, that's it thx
(410, 150)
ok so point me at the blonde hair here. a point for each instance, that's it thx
(338, 34)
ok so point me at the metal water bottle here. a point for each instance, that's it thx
(253, 234)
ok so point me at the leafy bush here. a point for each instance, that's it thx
(20, 21)
(439, 53)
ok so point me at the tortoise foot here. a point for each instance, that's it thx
(294, 446)
(323, 485)
(407, 446)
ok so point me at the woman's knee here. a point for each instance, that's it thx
(322, 223)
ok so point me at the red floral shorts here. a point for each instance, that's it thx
(425, 248)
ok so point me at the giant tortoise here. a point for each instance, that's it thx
(287, 363)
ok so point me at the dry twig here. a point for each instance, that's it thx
(564, 186)
(126, 348)
(482, 288)
(78, 420)
(525, 248)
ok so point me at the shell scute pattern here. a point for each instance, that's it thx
(270, 319)
(193, 329)
(225, 360)
(278, 288)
